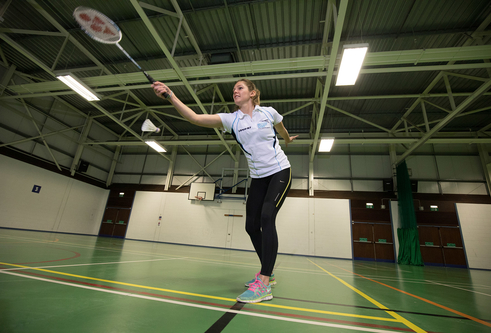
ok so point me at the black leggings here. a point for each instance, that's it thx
(266, 196)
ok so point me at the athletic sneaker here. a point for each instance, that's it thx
(256, 293)
(272, 280)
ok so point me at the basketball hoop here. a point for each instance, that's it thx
(198, 198)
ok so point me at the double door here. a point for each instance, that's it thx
(115, 222)
(373, 241)
(442, 245)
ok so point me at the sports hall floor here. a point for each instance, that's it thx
(53, 282)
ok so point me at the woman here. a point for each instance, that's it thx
(254, 128)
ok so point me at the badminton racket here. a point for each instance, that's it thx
(148, 126)
(102, 29)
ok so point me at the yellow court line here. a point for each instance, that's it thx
(204, 296)
(398, 317)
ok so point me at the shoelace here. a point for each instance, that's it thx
(256, 285)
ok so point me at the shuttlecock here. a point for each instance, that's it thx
(148, 126)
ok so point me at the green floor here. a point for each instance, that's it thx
(71, 283)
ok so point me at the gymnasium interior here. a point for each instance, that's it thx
(388, 230)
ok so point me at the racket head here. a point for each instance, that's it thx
(98, 26)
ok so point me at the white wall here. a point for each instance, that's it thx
(63, 204)
(475, 223)
(306, 226)
(396, 224)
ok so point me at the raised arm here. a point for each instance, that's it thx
(203, 120)
(280, 128)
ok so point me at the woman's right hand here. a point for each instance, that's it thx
(160, 88)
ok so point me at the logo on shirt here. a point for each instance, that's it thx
(245, 128)
(262, 125)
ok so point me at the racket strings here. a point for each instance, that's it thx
(97, 25)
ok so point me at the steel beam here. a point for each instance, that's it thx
(466, 46)
(232, 29)
(115, 158)
(170, 171)
(80, 148)
(176, 67)
(202, 169)
(341, 140)
(330, 70)
(256, 68)
(483, 88)
(41, 134)
(357, 118)
(6, 78)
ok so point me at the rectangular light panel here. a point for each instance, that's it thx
(353, 56)
(78, 87)
(326, 145)
(155, 145)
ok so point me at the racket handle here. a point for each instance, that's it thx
(151, 79)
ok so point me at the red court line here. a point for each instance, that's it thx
(421, 298)
(42, 262)
(221, 305)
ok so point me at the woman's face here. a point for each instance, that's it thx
(241, 93)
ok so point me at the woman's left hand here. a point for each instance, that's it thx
(290, 139)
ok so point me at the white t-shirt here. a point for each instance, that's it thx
(257, 138)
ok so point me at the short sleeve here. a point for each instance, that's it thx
(227, 120)
(277, 118)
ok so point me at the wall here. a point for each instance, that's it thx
(62, 205)
(396, 224)
(475, 226)
(306, 226)
(475, 223)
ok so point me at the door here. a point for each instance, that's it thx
(441, 246)
(373, 241)
(115, 222)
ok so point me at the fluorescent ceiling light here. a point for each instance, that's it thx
(78, 86)
(351, 62)
(326, 145)
(155, 145)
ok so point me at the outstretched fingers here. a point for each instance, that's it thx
(291, 138)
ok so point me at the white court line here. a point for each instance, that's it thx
(91, 264)
(212, 261)
(446, 285)
(308, 271)
(308, 322)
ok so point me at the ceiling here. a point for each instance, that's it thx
(425, 77)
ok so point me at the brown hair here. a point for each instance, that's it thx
(252, 87)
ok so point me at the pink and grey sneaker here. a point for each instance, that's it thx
(256, 293)
(272, 280)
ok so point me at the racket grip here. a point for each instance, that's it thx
(151, 79)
